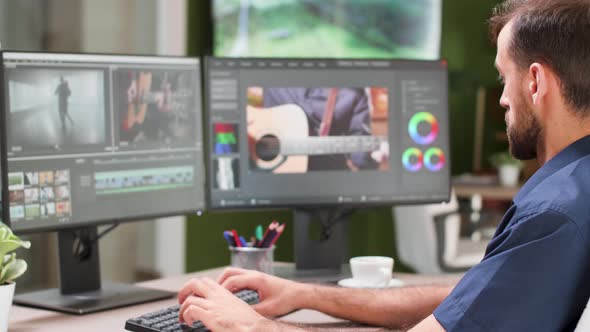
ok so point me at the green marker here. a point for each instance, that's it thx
(259, 232)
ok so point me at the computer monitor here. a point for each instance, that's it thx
(327, 133)
(97, 139)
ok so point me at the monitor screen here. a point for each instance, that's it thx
(100, 138)
(335, 29)
(331, 132)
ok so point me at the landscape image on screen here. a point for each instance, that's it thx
(352, 28)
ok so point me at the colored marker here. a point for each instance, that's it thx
(267, 239)
(229, 238)
(236, 238)
(243, 242)
(280, 230)
(258, 232)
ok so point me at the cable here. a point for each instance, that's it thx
(329, 218)
(84, 243)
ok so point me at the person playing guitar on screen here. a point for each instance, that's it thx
(333, 113)
(140, 99)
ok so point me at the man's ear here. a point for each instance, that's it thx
(537, 84)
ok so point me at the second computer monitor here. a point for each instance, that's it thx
(301, 133)
(99, 138)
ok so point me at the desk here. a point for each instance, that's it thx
(496, 192)
(32, 320)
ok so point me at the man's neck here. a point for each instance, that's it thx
(562, 133)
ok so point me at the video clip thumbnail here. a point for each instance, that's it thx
(56, 107)
(155, 106)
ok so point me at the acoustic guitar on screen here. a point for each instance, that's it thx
(279, 140)
(140, 95)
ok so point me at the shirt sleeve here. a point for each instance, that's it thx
(360, 124)
(531, 279)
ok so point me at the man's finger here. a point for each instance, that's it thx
(228, 272)
(238, 282)
(195, 287)
(192, 301)
(213, 286)
(193, 313)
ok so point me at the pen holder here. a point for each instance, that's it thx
(251, 258)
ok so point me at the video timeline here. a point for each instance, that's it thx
(143, 180)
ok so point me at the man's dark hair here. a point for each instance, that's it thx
(555, 33)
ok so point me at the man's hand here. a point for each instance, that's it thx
(132, 92)
(217, 308)
(382, 154)
(277, 296)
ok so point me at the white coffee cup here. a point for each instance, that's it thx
(371, 271)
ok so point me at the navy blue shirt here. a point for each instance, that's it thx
(535, 275)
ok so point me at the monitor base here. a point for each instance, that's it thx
(110, 296)
(80, 288)
(326, 248)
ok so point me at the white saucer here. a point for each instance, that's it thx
(352, 283)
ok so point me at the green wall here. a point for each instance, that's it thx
(466, 47)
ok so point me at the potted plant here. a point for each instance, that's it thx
(508, 168)
(10, 269)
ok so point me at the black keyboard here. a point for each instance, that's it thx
(166, 320)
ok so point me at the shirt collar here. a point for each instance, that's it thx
(573, 152)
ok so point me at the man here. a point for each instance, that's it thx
(63, 93)
(535, 275)
(351, 117)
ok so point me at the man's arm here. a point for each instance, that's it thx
(430, 324)
(396, 308)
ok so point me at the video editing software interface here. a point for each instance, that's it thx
(98, 137)
(286, 132)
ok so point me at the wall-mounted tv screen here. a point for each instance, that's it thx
(328, 28)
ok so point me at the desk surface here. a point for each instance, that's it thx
(26, 319)
(486, 191)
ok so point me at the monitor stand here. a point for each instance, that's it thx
(81, 290)
(323, 256)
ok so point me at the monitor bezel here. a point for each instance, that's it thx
(5, 215)
(442, 63)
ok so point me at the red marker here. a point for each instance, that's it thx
(268, 236)
(236, 238)
(280, 230)
(266, 231)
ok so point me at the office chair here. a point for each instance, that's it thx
(584, 322)
(428, 238)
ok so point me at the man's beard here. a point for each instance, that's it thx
(525, 135)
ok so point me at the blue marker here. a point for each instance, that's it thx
(229, 238)
(243, 241)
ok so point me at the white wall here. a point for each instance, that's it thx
(119, 26)
(21, 24)
(2, 23)
(171, 28)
